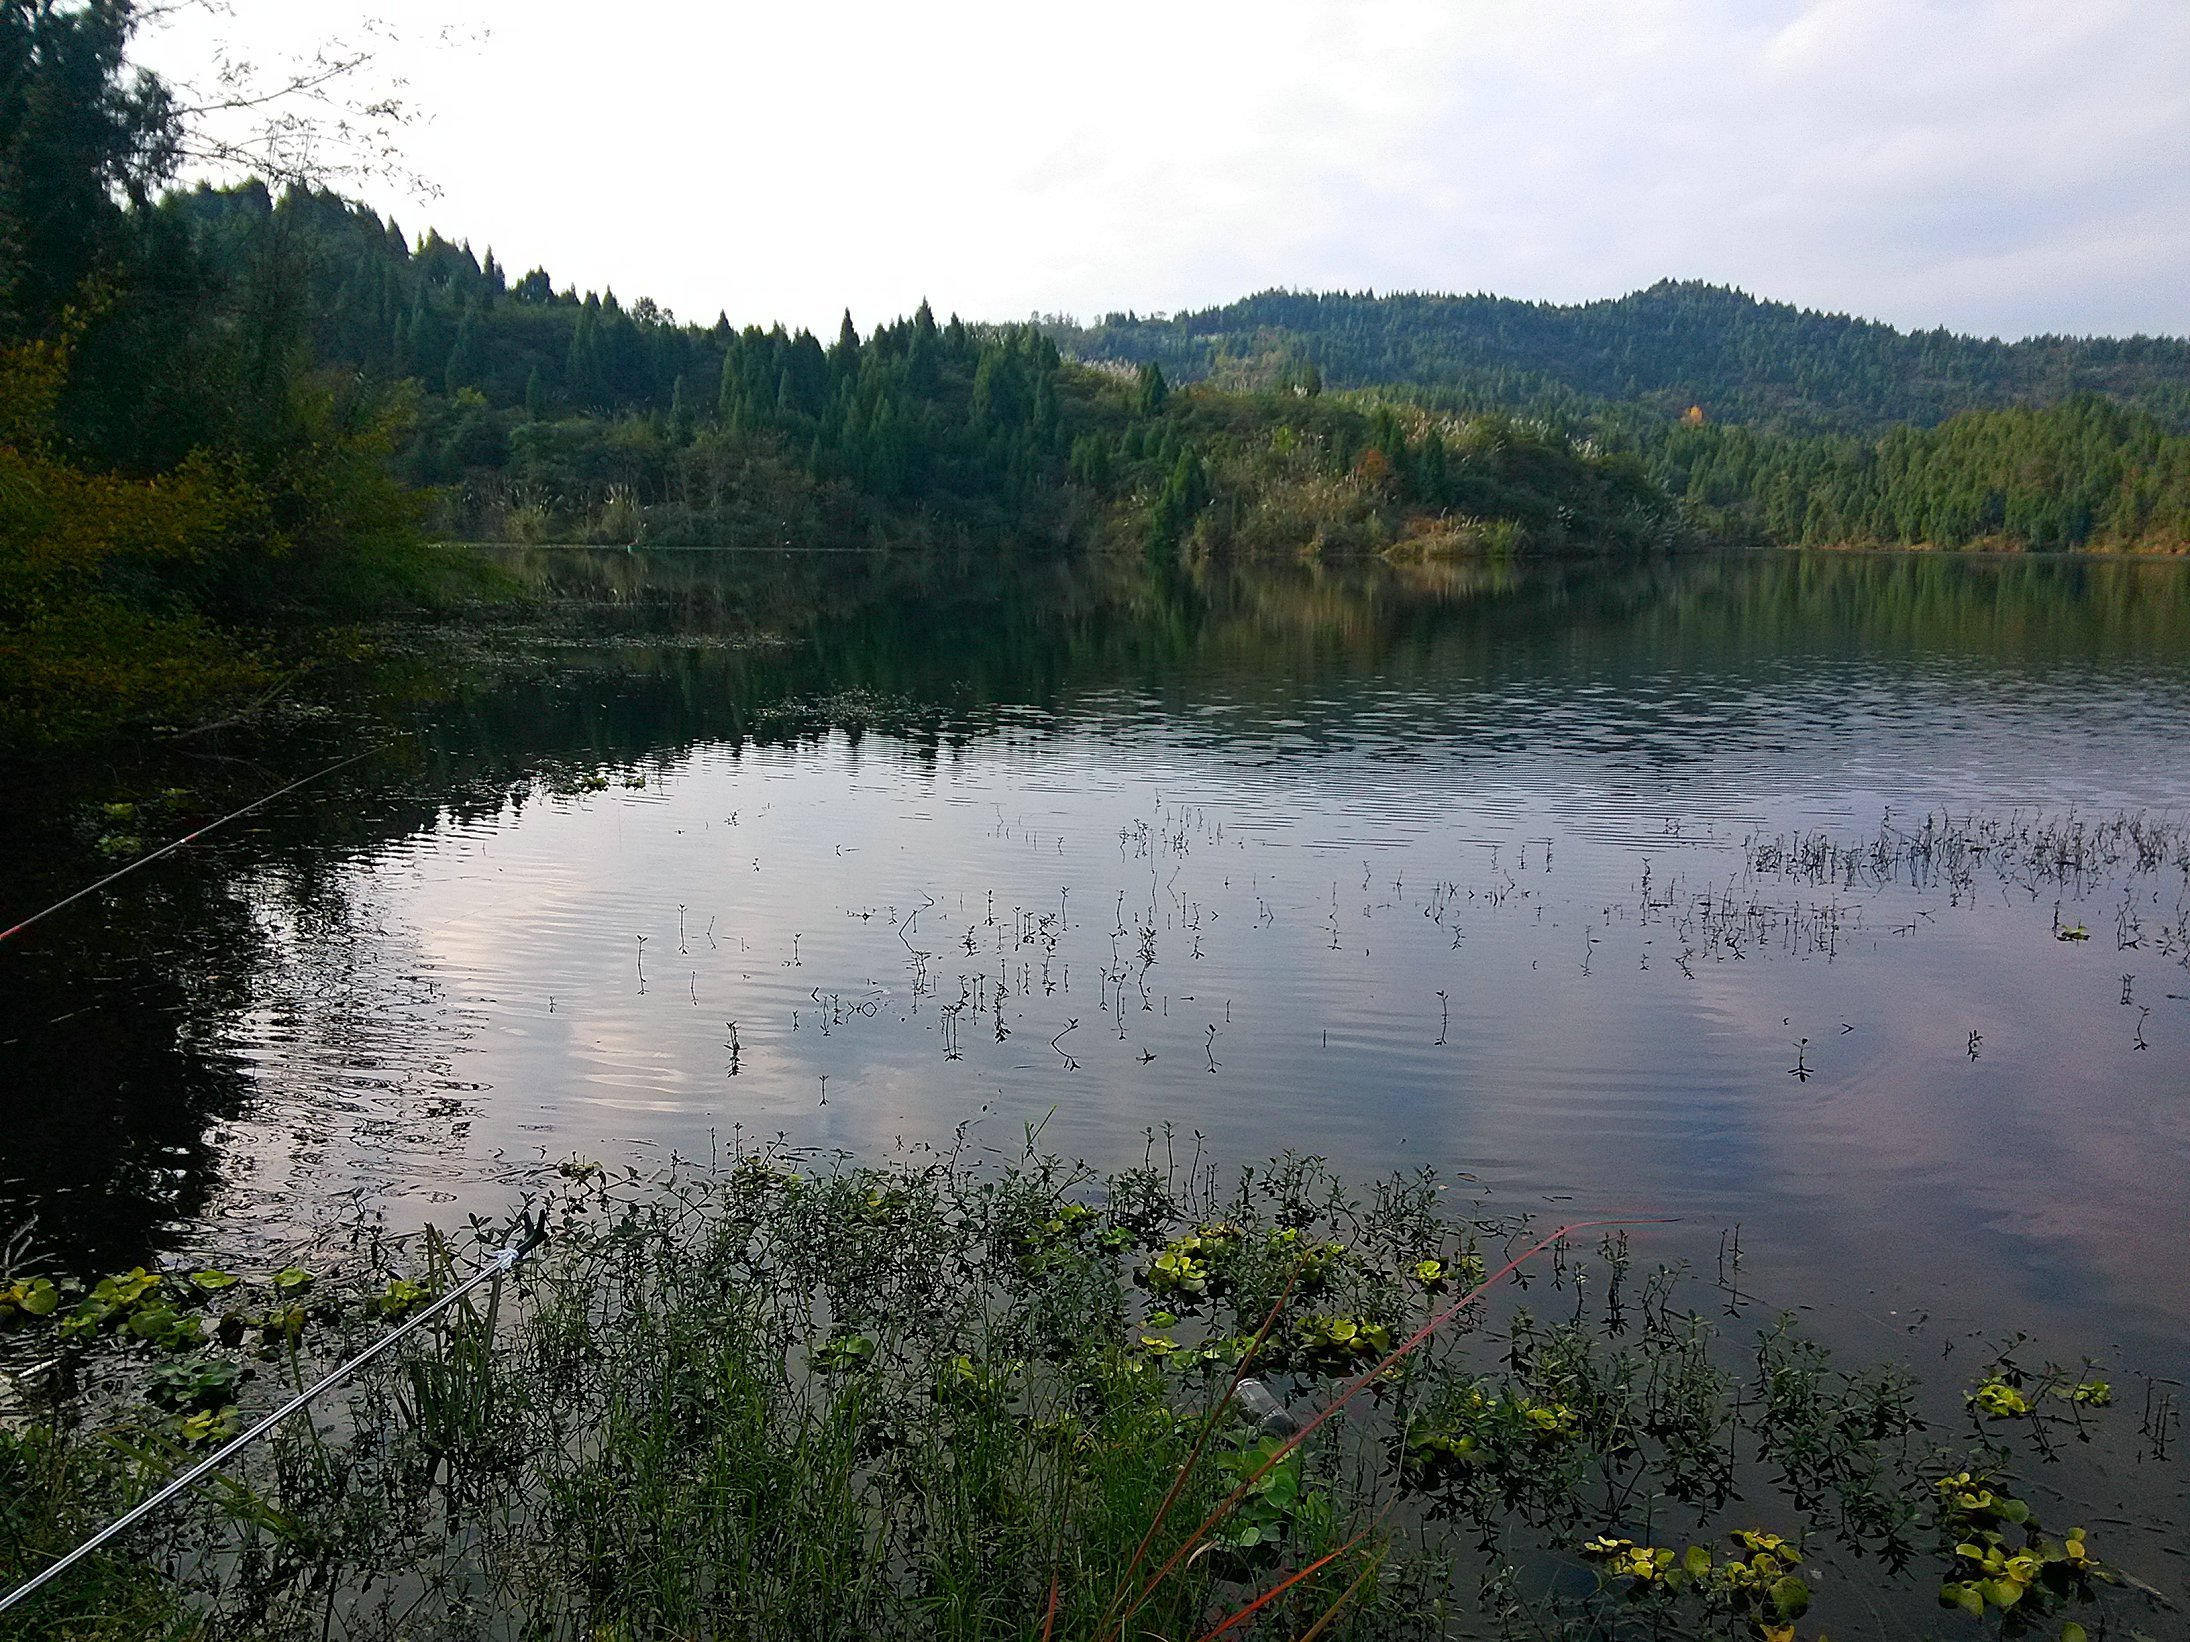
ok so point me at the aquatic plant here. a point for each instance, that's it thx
(954, 1401)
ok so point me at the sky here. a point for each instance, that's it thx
(2002, 167)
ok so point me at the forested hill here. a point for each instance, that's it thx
(226, 417)
(223, 413)
(1768, 365)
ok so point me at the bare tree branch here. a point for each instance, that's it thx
(330, 118)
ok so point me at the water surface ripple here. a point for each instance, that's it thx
(1488, 875)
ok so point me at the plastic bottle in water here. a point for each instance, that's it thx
(1269, 1416)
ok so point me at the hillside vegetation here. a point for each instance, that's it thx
(1765, 423)
(1777, 368)
(232, 418)
(228, 416)
(538, 413)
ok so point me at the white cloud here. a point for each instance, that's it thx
(1992, 165)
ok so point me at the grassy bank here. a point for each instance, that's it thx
(942, 1400)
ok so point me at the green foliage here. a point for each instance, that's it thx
(2083, 473)
(78, 136)
(1759, 1592)
(928, 1402)
(55, 1492)
(1765, 365)
(1769, 424)
(2002, 1560)
(172, 468)
(1277, 1509)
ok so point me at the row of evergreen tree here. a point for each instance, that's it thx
(1764, 364)
(916, 409)
(1820, 429)
(568, 400)
(575, 395)
(2081, 474)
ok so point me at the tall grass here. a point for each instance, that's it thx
(937, 1400)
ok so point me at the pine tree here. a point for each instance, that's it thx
(463, 366)
(1152, 390)
(1432, 469)
(1183, 496)
(581, 370)
(844, 356)
(1089, 463)
(730, 392)
(924, 366)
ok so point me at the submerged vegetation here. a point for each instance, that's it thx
(947, 1398)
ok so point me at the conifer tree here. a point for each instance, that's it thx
(844, 356)
(1153, 390)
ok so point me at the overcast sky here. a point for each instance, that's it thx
(1998, 166)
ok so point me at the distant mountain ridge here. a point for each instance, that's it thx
(1659, 351)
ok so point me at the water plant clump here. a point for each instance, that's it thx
(2031, 851)
(952, 1398)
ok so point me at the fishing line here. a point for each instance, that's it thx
(534, 1233)
(169, 849)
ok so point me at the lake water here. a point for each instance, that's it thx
(1731, 890)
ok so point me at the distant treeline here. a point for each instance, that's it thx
(228, 418)
(223, 410)
(1767, 365)
(1765, 422)
(540, 414)
(2085, 473)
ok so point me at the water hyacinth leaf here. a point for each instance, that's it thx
(1961, 1594)
(39, 1297)
(842, 1352)
(1790, 1597)
(195, 1384)
(401, 1296)
(126, 1288)
(209, 1425)
(1997, 1400)
(212, 1281)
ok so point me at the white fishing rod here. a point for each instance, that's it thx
(530, 1234)
(187, 838)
